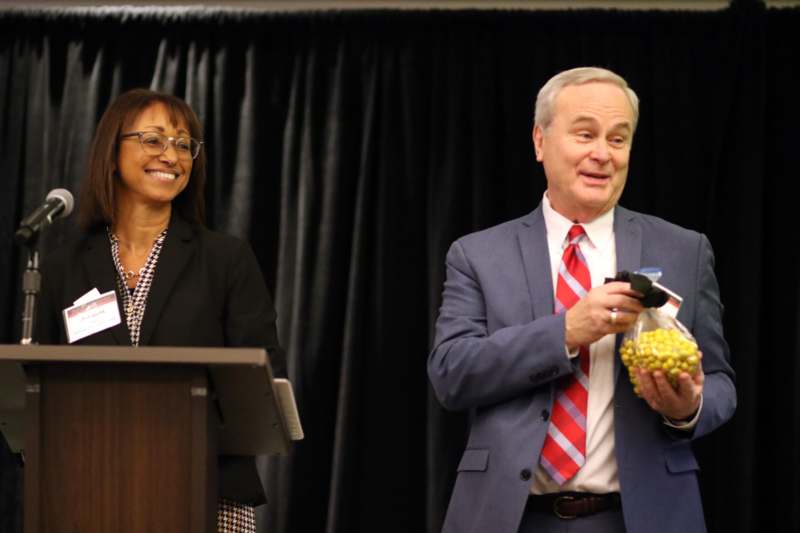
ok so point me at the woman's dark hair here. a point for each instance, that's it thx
(98, 189)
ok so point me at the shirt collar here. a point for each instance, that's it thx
(599, 231)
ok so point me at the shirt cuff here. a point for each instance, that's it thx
(572, 354)
(685, 425)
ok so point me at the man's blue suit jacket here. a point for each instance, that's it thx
(499, 349)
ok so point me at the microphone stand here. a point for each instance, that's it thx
(31, 284)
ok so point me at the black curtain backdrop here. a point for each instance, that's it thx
(351, 148)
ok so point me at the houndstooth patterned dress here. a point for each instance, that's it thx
(134, 301)
(232, 517)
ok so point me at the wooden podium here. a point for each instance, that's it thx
(126, 439)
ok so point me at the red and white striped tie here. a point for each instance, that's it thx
(564, 450)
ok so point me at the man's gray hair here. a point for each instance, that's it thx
(546, 99)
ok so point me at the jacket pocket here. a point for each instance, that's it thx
(680, 458)
(474, 460)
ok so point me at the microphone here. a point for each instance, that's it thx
(59, 203)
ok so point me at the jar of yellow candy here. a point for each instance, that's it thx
(657, 341)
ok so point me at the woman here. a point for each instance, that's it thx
(141, 210)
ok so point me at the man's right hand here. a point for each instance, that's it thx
(609, 308)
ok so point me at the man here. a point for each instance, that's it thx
(528, 336)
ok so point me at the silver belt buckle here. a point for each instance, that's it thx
(557, 501)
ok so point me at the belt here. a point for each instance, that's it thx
(569, 505)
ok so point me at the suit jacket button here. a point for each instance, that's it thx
(545, 414)
(525, 475)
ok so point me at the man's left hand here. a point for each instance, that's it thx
(677, 404)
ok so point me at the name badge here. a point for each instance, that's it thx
(673, 304)
(92, 313)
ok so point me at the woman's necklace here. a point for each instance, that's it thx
(128, 273)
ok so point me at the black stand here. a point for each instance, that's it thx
(31, 284)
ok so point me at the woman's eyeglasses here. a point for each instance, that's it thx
(154, 143)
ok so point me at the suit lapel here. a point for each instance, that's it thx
(177, 250)
(628, 239)
(536, 259)
(99, 266)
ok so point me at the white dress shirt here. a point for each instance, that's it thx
(599, 473)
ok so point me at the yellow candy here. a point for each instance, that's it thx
(660, 349)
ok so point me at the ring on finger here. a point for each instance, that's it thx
(613, 316)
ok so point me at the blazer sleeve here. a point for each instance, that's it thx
(470, 366)
(250, 317)
(49, 327)
(47, 331)
(719, 391)
(249, 321)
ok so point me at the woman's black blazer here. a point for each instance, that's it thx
(207, 291)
